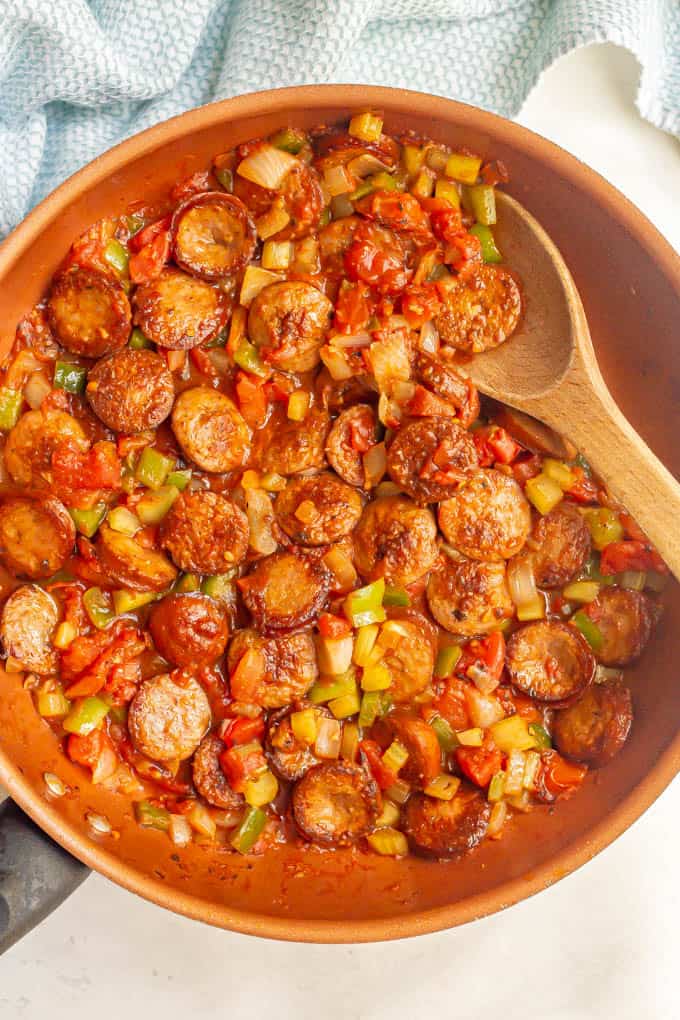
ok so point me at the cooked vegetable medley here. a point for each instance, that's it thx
(270, 570)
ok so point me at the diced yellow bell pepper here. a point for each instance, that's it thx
(544, 493)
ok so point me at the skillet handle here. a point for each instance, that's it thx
(36, 874)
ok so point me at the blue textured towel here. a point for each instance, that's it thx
(76, 77)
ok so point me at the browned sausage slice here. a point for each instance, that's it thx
(36, 535)
(488, 518)
(130, 564)
(550, 661)
(625, 619)
(446, 828)
(409, 641)
(296, 446)
(131, 391)
(289, 663)
(420, 740)
(469, 597)
(395, 539)
(167, 720)
(213, 235)
(178, 311)
(210, 429)
(208, 777)
(189, 629)
(29, 618)
(594, 729)
(480, 311)
(290, 758)
(559, 546)
(450, 385)
(89, 312)
(206, 532)
(33, 440)
(288, 321)
(342, 455)
(430, 457)
(335, 804)
(284, 591)
(533, 434)
(318, 510)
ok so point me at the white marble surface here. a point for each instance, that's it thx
(603, 943)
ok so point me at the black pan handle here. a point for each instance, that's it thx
(36, 874)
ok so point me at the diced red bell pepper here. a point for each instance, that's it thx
(486, 652)
(480, 764)
(148, 234)
(241, 730)
(584, 489)
(419, 304)
(252, 399)
(239, 765)
(451, 704)
(630, 555)
(113, 668)
(447, 223)
(425, 404)
(203, 362)
(558, 778)
(495, 172)
(495, 446)
(248, 674)
(383, 776)
(147, 263)
(395, 209)
(332, 626)
(73, 470)
(374, 259)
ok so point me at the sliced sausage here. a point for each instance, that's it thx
(395, 539)
(131, 391)
(89, 312)
(469, 597)
(409, 643)
(36, 535)
(335, 804)
(559, 546)
(189, 629)
(430, 457)
(450, 385)
(29, 617)
(625, 619)
(339, 147)
(288, 322)
(337, 395)
(446, 828)
(213, 235)
(288, 756)
(284, 591)
(336, 238)
(33, 440)
(206, 532)
(480, 311)
(208, 777)
(420, 740)
(296, 446)
(533, 434)
(303, 200)
(130, 564)
(488, 518)
(178, 311)
(210, 429)
(168, 719)
(318, 510)
(594, 729)
(290, 666)
(352, 432)
(549, 661)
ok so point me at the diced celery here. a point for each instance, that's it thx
(396, 597)
(366, 126)
(180, 479)
(436, 157)
(447, 659)
(53, 704)
(69, 377)
(249, 830)
(448, 741)
(413, 159)
(581, 591)
(540, 735)
(152, 817)
(604, 525)
(289, 139)
(362, 189)
(443, 787)
(544, 493)
(87, 521)
(480, 200)
(388, 842)
(219, 587)
(346, 705)
(448, 191)
(349, 747)
(117, 256)
(463, 168)
(424, 184)
(98, 607)
(123, 520)
(370, 709)
(187, 582)
(125, 601)
(633, 579)
(154, 505)
(490, 252)
(153, 468)
(10, 407)
(496, 787)
(261, 790)
(85, 716)
(395, 757)
(512, 734)
(247, 357)
(589, 629)
(364, 643)
(389, 815)
(326, 690)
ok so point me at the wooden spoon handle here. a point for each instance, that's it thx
(584, 411)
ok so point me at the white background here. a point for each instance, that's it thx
(603, 943)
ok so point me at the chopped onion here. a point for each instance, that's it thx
(54, 784)
(389, 411)
(389, 359)
(267, 166)
(36, 389)
(395, 322)
(484, 709)
(429, 337)
(180, 830)
(24, 365)
(202, 821)
(221, 360)
(355, 340)
(255, 279)
(306, 255)
(403, 391)
(523, 591)
(275, 219)
(388, 489)
(375, 465)
(328, 738)
(341, 207)
(338, 181)
(531, 767)
(334, 654)
(365, 164)
(514, 773)
(341, 567)
(260, 515)
(99, 823)
(604, 673)
(336, 363)
(497, 819)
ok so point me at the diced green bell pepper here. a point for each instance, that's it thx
(219, 586)
(490, 252)
(180, 479)
(69, 377)
(447, 659)
(98, 607)
(446, 736)
(496, 787)
(365, 605)
(249, 830)
(125, 601)
(370, 708)
(153, 468)
(248, 358)
(85, 716)
(10, 407)
(540, 735)
(117, 256)
(338, 687)
(87, 521)
(589, 629)
(137, 341)
(396, 597)
(480, 200)
(188, 582)
(289, 139)
(152, 817)
(153, 506)
(361, 190)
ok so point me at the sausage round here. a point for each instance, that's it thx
(129, 564)
(290, 665)
(189, 629)
(488, 518)
(167, 720)
(409, 643)
(89, 312)
(33, 440)
(420, 740)
(206, 532)
(290, 758)
(449, 384)
(625, 619)
(469, 597)
(213, 235)
(446, 828)
(594, 729)
(560, 546)
(395, 539)
(318, 510)
(210, 429)
(335, 804)
(283, 591)
(209, 779)
(178, 311)
(288, 322)
(297, 446)
(480, 311)
(36, 535)
(131, 391)
(430, 457)
(29, 617)
(342, 456)
(549, 661)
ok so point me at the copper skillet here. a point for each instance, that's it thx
(629, 278)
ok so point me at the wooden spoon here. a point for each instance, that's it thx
(548, 369)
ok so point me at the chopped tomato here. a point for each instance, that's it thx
(88, 249)
(279, 387)
(239, 765)
(95, 751)
(130, 444)
(419, 304)
(361, 436)
(447, 223)
(193, 185)
(584, 489)
(558, 778)
(425, 404)
(249, 672)
(148, 234)
(463, 252)
(520, 704)
(495, 172)
(451, 704)
(375, 258)
(383, 776)
(352, 308)
(252, 399)
(395, 209)
(495, 445)
(73, 470)
(631, 555)
(148, 262)
(203, 362)
(526, 468)
(480, 764)
(113, 667)
(241, 730)
(483, 660)
(332, 626)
